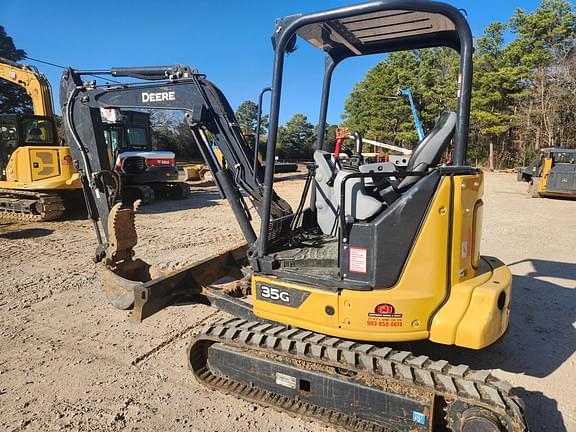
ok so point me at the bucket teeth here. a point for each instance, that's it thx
(122, 233)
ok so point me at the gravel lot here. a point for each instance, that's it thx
(68, 361)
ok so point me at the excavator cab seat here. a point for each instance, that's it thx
(359, 203)
(427, 154)
(34, 134)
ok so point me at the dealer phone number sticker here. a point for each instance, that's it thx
(358, 258)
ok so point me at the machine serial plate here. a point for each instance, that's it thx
(286, 380)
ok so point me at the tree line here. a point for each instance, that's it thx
(524, 89)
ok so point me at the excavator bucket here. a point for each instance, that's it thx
(121, 272)
(133, 283)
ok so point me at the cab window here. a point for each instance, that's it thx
(564, 157)
(8, 136)
(136, 137)
(113, 141)
(37, 131)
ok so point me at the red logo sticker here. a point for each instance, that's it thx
(385, 310)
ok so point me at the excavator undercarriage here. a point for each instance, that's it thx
(381, 254)
(30, 206)
(349, 385)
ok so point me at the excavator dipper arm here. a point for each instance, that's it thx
(206, 111)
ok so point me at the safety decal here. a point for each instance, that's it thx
(358, 257)
(464, 249)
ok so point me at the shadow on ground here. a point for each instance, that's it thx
(541, 412)
(197, 199)
(26, 233)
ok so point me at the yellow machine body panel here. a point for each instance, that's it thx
(477, 312)
(41, 168)
(469, 310)
(547, 166)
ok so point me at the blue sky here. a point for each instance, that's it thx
(227, 40)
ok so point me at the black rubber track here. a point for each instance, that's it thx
(461, 387)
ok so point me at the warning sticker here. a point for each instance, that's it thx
(464, 249)
(358, 257)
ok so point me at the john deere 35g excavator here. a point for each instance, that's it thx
(36, 170)
(321, 290)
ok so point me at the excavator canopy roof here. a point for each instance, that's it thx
(377, 27)
(377, 32)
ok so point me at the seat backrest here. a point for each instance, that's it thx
(359, 204)
(326, 211)
(430, 149)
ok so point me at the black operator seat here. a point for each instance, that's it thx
(428, 153)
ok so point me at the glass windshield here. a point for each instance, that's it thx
(37, 131)
(136, 137)
(113, 142)
(564, 157)
(8, 143)
(8, 136)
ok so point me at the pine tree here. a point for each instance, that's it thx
(375, 109)
(545, 47)
(13, 99)
(296, 139)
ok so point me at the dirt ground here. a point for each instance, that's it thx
(68, 361)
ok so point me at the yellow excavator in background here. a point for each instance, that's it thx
(37, 170)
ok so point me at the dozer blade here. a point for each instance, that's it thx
(192, 280)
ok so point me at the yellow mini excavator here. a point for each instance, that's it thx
(37, 171)
(371, 255)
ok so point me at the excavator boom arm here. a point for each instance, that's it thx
(31, 80)
(206, 111)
